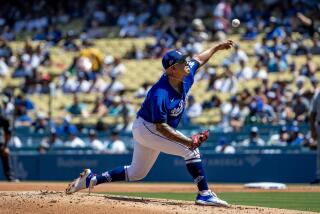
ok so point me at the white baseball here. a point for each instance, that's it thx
(235, 23)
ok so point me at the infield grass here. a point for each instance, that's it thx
(305, 201)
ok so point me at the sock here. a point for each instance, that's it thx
(197, 172)
(117, 174)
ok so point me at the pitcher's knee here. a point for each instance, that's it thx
(135, 175)
(192, 154)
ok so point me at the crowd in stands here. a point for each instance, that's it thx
(55, 140)
(187, 30)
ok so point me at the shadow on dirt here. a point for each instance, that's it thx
(144, 200)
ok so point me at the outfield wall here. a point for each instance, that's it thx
(289, 168)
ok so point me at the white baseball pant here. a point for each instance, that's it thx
(148, 144)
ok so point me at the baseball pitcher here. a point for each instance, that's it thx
(154, 129)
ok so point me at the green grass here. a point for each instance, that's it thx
(305, 201)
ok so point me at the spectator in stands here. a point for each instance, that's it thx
(279, 139)
(116, 145)
(135, 53)
(205, 73)
(199, 31)
(309, 68)
(94, 142)
(221, 14)
(300, 107)
(15, 142)
(164, 8)
(49, 142)
(275, 30)
(276, 63)
(131, 30)
(227, 83)
(117, 69)
(229, 110)
(63, 127)
(224, 147)
(256, 107)
(296, 138)
(300, 81)
(22, 69)
(8, 107)
(8, 34)
(286, 113)
(259, 72)
(261, 50)
(213, 77)
(4, 69)
(315, 48)
(99, 109)
(143, 90)
(73, 140)
(5, 51)
(32, 82)
(23, 103)
(54, 35)
(193, 109)
(214, 102)
(238, 120)
(41, 122)
(246, 96)
(114, 69)
(278, 47)
(237, 55)
(116, 107)
(22, 118)
(245, 72)
(314, 83)
(127, 114)
(251, 32)
(254, 139)
(70, 43)
(94, 31)
(268, 114)
(77, 108)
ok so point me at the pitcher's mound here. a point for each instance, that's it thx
(82, 203)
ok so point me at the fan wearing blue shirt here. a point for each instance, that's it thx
(154, 130)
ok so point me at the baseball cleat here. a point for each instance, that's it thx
(82, 182)
(210, 199)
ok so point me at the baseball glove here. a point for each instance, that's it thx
(199, 138)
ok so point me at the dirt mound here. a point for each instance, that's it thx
(82, 203)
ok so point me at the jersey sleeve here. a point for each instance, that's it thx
(193, 65)
(158, 109)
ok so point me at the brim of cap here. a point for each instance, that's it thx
(182, 59)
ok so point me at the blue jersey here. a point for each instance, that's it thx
(163, 104)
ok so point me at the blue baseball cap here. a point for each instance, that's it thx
(172, 57)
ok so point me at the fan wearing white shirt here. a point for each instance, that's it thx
(94, 142)
(228, 83)
(116, 146)
(193, 109)
(259, 72)
(74, 141)
(238, 55)
(245, 72)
